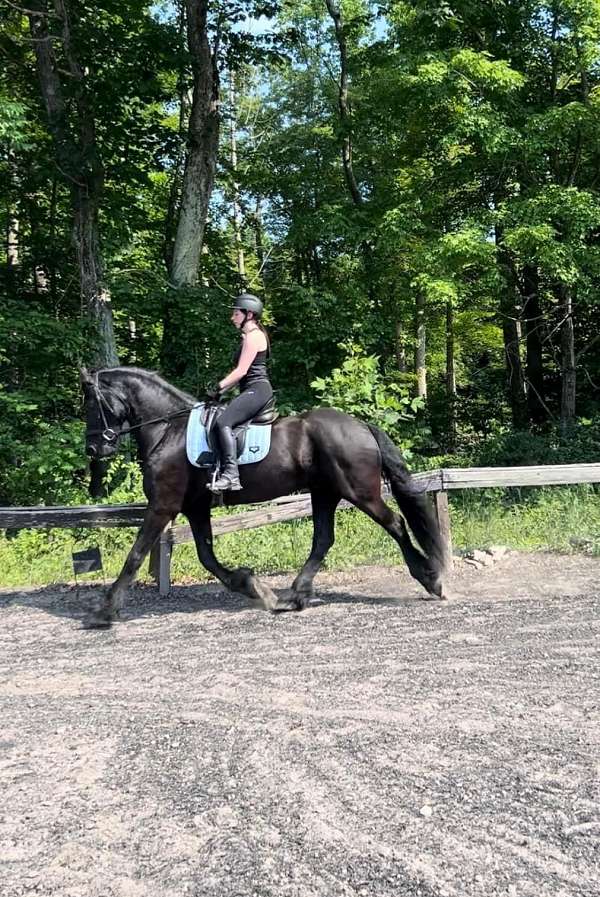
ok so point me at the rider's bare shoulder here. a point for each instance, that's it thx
(256, 339)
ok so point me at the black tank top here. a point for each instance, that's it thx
(257, 370)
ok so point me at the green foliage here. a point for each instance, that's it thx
(359, 388)
(124, 479)
(13, 124)
(580, 445)
(41, 437)
(552, 227)
(52, 472)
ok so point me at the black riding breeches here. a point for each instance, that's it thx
(247, 405)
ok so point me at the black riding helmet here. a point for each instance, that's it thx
(247, 302)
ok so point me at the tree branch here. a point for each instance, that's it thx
(27, 12)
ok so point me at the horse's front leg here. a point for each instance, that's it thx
(242, 579)
(150, 530)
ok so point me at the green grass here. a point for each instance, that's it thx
(557, 519)
(553, 519)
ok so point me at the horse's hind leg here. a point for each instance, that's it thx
(240, 580)
(393, 524)
(323, 513)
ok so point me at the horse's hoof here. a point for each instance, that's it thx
(244, 581)
(303, 598)
(239, 580)
(436, 596)
(283, 607)
(436, 590)
(97, 621)
(260, 592)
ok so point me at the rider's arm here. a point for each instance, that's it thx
(250, 348)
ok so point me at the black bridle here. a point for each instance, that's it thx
(108, 434)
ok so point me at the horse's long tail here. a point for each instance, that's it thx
(413, 503)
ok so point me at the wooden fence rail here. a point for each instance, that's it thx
(293, 507)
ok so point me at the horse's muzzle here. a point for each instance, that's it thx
(101, 451)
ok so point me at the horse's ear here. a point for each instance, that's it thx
(84, 374)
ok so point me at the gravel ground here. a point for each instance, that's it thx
(375, 744)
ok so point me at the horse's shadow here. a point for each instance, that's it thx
(76, 602)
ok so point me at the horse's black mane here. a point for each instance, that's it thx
(154, 379)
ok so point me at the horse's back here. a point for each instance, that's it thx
(286, 469)
(318, 448)
(336, 431)
(346, 455)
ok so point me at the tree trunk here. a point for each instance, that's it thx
(316, 264)
(514, 369)
(343, 103)
(400, 348)
(197, 185)
(345, 111)
(53, 243)
(94, 295)
(201, 156)
(79, 163)
(450, 376)
(568, 370)
(256, 222)
(236, 211)
(133, 336)
(12, 225)
(511, 331)
(41, 282)
(12, 243)
(298, 270)
(420, 345)
(533, 319)
(175, 186)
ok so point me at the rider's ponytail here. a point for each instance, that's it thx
(263, 330)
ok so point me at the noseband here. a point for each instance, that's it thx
(109, 436)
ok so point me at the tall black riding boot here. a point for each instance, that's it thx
(230, 477)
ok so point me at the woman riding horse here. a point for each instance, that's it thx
(330, 454)
(250, 373)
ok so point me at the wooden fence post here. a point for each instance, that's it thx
(440, 504)
(159, 564)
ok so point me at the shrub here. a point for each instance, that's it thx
(359, 388)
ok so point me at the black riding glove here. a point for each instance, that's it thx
(213, 393)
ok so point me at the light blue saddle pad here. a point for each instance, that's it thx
(256, 444)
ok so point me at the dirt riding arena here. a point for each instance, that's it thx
(375, 744)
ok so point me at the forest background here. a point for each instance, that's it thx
(412, 188)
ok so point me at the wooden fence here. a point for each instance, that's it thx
(293, 507)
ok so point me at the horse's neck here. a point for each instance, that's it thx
(148, 399)
(149, 395)
(151, 401)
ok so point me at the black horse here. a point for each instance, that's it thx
(329, 453)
